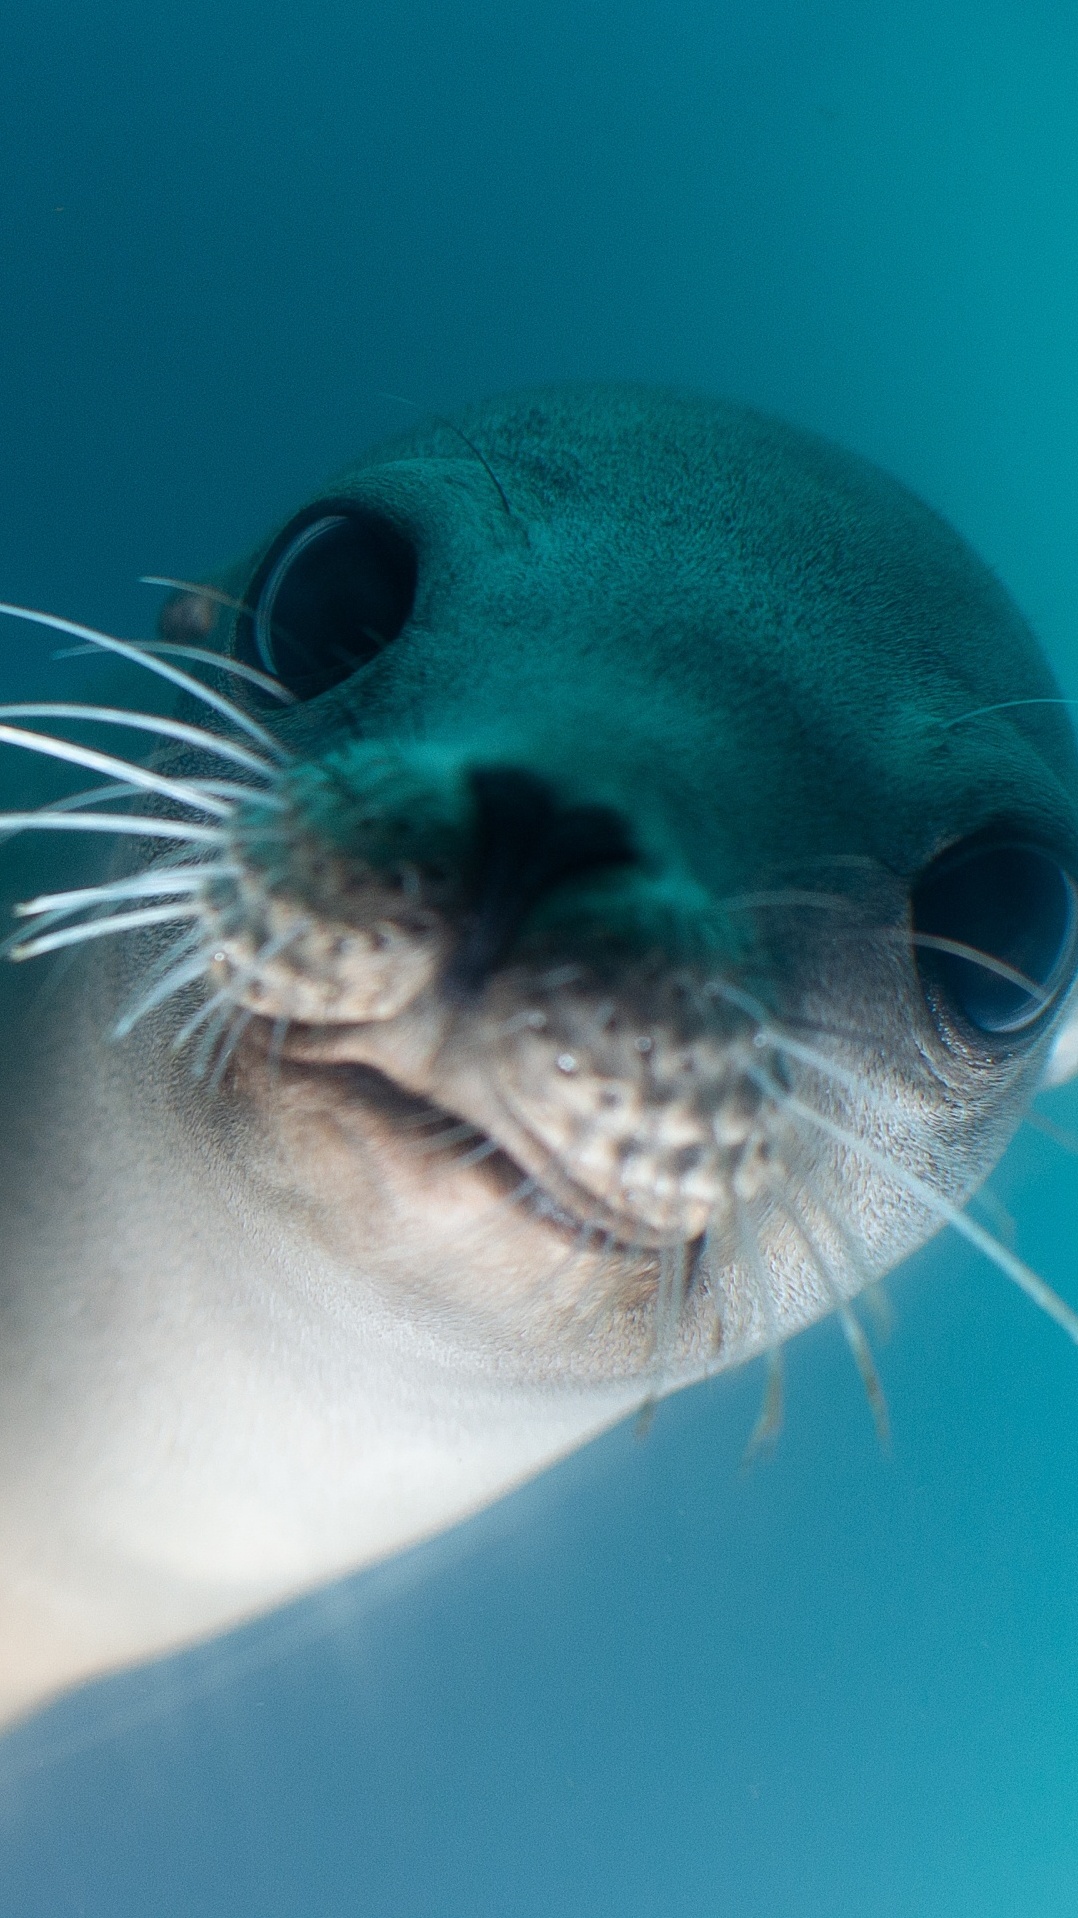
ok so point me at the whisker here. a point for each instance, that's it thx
(202, 656)
(197, 591)
(147, 723)
(176, 789)
(183, 974)
(135, 825)
(770, 1035)
(431, 1148)
(177, 880)
(21, 933)
(278, 1035)
(115, 789)
(214, 1028)
(786, 896)
(1062, 1136)
(51, 908)
(999, 706)
(852, 1329)
(126, 650)
(519, 1196)
(98, 929)
(226, 994)
(934, 1202)
(859, 1346)
(878, 1303)
(935, 942)
(998, 1216)
(238, 668)
(769, 1419)
(235, 1033)
(234, 792)
(669, 1301)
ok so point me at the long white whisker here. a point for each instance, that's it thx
(786, 896)
(99, 929)
(958, 949)
(235, 792)
(237, 668)
(176, 789)
(126, 650)
(768, 1034)
(135, 825)
(1061, 1136)
(179, 879)
(21, 934)
(203, 655)
(147, 723)
(934, 1202)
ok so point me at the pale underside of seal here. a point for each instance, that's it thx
(614, 904)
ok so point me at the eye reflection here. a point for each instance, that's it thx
(1013, 909)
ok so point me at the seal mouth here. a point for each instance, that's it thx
(432, 1131)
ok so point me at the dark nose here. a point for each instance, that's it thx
(525, 845)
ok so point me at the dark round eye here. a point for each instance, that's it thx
(336, 587)
(994, 930)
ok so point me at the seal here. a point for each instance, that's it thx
(603, 896)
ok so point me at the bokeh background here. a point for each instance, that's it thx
(651, 1683)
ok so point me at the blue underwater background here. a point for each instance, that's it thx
(651, 1683)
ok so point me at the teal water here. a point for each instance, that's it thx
(650, 1683)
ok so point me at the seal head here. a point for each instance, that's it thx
(630, 907)
(637, 803)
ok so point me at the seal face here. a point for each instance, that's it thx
(635, 763)
(638, 911)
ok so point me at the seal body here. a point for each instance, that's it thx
(644, 917)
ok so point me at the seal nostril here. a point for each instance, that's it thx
(525, 844)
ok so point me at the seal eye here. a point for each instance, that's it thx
(995, 933)
(333, 590)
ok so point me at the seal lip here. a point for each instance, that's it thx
(554, 1200)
